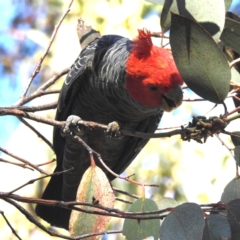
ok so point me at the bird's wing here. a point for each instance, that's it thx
(134, 145)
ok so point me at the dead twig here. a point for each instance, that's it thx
(37, 132)
(24, 161)
(16, 164)
(10, 226)
(41, 90)
(37, 179)
(39, 65)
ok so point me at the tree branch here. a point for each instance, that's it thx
(10, 226)
(24, 161)
(37, 132)
(38, 67)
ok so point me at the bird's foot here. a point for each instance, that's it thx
(72, 127)
(113, 130)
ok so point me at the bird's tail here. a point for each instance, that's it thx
(56, 216)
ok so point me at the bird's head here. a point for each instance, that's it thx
(152, 76)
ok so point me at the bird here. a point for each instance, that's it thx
(125, 84)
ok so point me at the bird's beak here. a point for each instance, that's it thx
(172, 99)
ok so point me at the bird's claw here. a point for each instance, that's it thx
(72, 127)
(113, 130)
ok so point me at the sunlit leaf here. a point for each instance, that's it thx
(231, 34)
(209, 14)
(166, 202)
(184, 222)
(227, 4)
(137, 230)
(94, 188)
(200, 61)
(216, 227)
(231, 191)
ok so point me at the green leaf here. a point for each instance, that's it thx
(237, 155)
(233, 16)
(236, 138)
(233, 216)
(236, 141)
(166, 202)
(231, 191)
(137, 230)
(184, 222)
(199, 60)
(216, 227)
(209, 14)
(168, 7)
(231, 34)
(227, 4)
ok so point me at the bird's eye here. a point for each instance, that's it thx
(153, 88)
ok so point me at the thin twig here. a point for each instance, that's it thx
(16, 164)
(24, 161)
(234, 62)
(32, 219)
(123, 200)
(39, 65)
(32, 116)
(112, 212)
(91, 151)
(40, 91)
(38, 108)
(10, 226)
(126, 193)
(42, 164)
(37, 179)
(37, 132)
(223, 143)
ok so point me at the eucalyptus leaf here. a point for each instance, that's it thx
(209, 14)
(233, 216)
(199, 60)
(231, 191)
(231, 34)
(216, 228)
(184, 222)
(137, 230)
(236, 138)
(233, 16)
(168, 7)
(227, 4)
(94, 188)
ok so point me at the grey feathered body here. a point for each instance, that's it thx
(95, 91)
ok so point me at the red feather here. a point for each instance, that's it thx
(150, 66)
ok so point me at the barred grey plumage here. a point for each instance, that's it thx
(94, 90)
